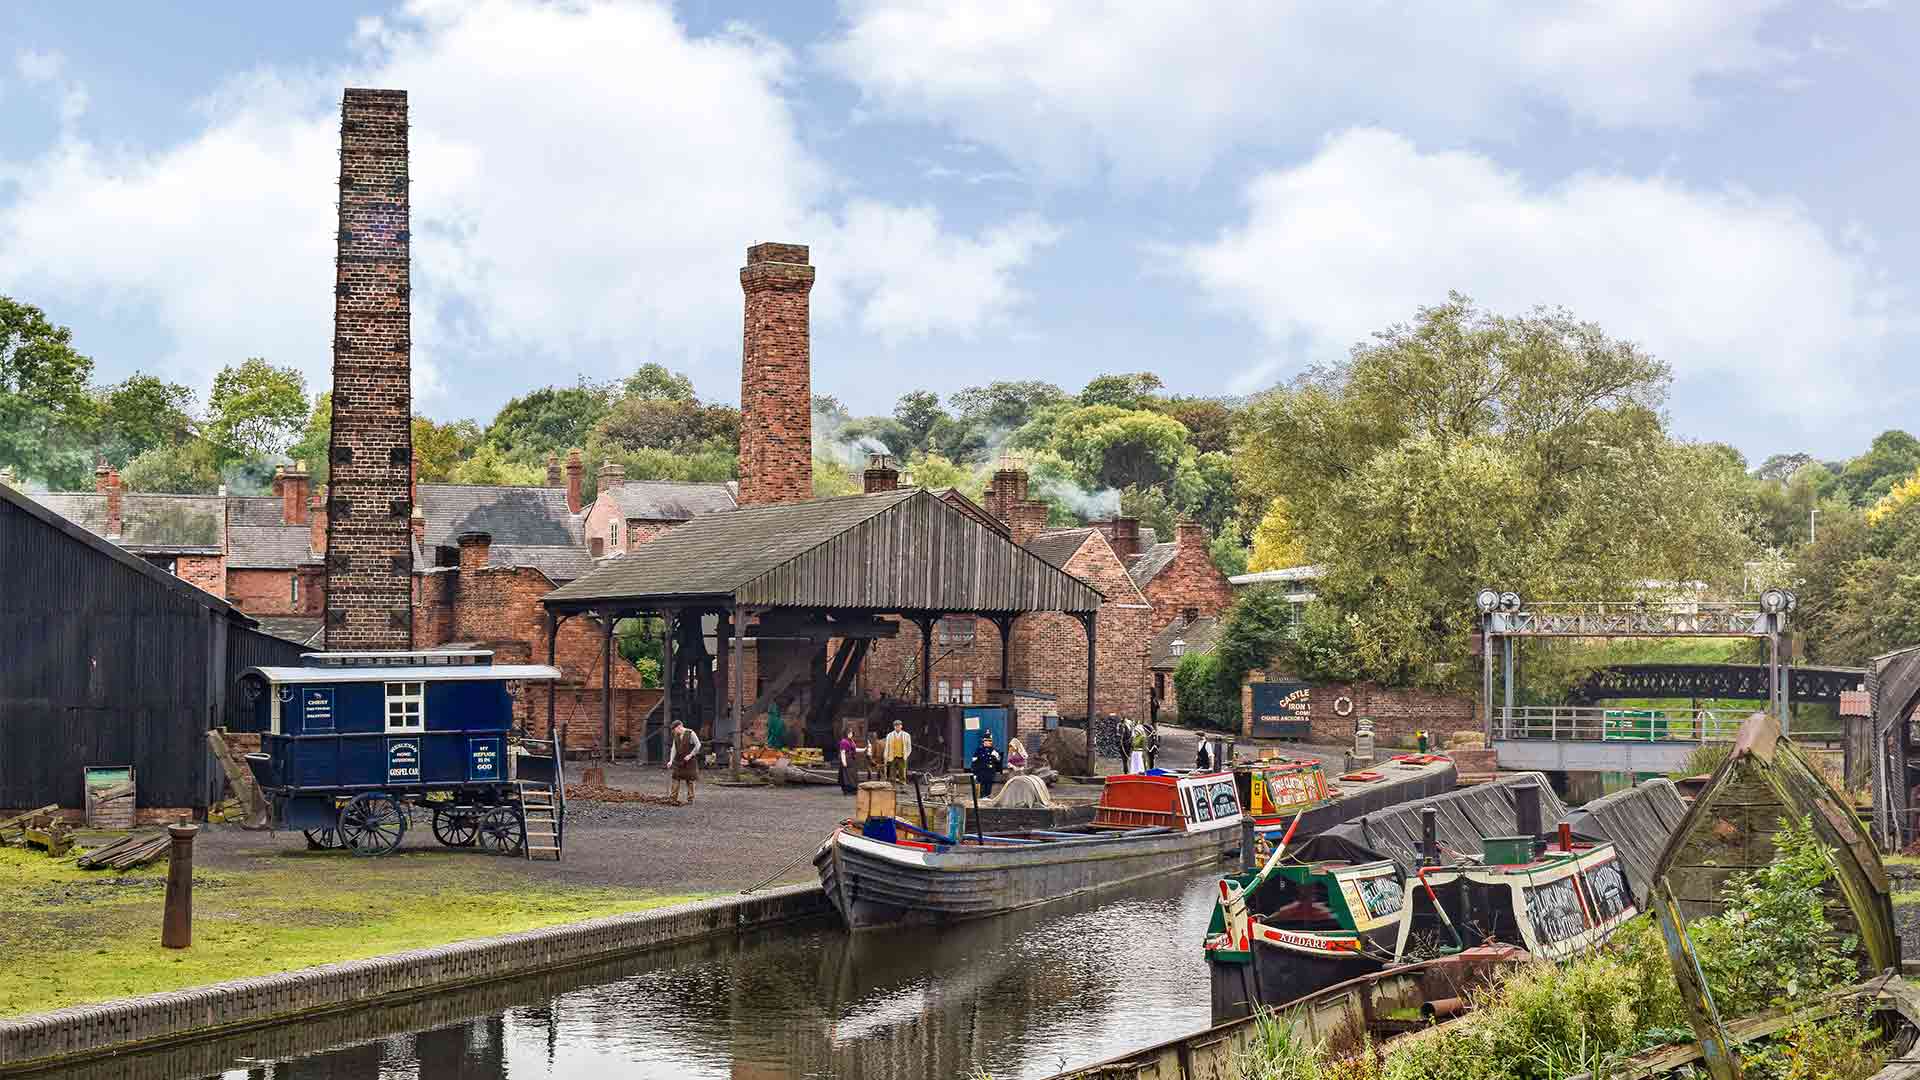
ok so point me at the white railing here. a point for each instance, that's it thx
(1587, 723)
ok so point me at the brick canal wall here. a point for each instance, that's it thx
(90, 1031)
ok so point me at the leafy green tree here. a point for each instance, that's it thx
(653, 382)
(918, 412)
(1115, 447)
(1276, 544)
(552, 419)
(46, 415)
(936, 471)
(1229, 555)
(312, 446)
(1152, 508)
(1200, 691)
(1203, 490)
(184, 468)
(1130, 391)
(1209, 422)
(1005, 405)
(832, 479)
(255, 409)
(1467, 449)
(489, 465)
(957, 440)
(678, 424)
(1892, 457)
(438, 448)
(140, 413)
(892, 435)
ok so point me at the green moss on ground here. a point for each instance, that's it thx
(75, 936)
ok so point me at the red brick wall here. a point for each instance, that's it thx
(1397, 713)
(776, 396)
(1050, 650)
(209, 572)
(1189, 581)
(1028, 715)
(892, 664)
(267, 592)
(603, 521)
(369, 561)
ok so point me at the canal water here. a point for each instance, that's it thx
(1023, 995)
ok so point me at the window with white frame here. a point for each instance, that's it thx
(943, 692)
(966, 691)
(613, 534)
(956, 630)
(293, 588)
(406, 706)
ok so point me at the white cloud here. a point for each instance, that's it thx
(1722, 284)
(1158, 90)
(586, 180)
(39, 67)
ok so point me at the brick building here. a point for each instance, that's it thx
(184, 535)
(1178, 577)
(626, 514)
(276, 552)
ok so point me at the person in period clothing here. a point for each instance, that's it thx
(1136, 748)
(1203, 761)
(849, 760)
(1016, 755)
(985, 765)
(876, 757)
(1153, 744)
(899, 749)
(685, 762)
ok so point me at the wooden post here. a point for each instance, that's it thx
(1093, 751)
(1005, 623)
(176, 927)
(723, 682)
(606, 687)
(739, 689)
(926, 659)
(553, 640)
(670, 624)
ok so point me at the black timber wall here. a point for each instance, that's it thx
(100, 664)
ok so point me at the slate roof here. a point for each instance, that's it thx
(269, 547)
(666, 500)
(1058, 545)
(149, 523)
(36, 505)
(1198, 635)
(300, 629)
(561, 563)
(1151, 562)
(256, 510)
(513, 516)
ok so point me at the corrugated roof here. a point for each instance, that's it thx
(269, 547)
(1151, 562)
(514, 516)
(159, 524)
(890, 551)
(1198, 635)
(665, 500)
(1059, 545)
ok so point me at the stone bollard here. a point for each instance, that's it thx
(176, 929)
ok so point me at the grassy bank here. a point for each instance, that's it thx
(75, 936)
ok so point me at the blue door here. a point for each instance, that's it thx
(977, 719)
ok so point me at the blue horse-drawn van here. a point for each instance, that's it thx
(352, 743)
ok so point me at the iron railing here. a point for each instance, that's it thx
(1687, 618)
(1571, 723)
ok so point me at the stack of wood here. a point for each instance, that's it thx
(14, 829)
(126, 852)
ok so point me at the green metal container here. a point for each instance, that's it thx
(1507, 850)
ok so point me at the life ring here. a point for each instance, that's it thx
(1343, 706)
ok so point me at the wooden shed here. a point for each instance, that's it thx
(108, 660)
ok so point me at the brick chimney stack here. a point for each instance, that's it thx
(369, 545)
(1008, 490)
(1123, 535)
(612, 476)
(474, 547)
(317, 521)
(776, 383)
(880, 474)
(293, 485)
(1190, 535)
(107, 480)
(100, 474)
(1025, 520)
(596, 546)
(554, 476)
(574, 473)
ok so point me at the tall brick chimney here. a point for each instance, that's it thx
(776, 383)
(100, 474)
(554, 477)
(574, 471)
(294, 484)
(369, 552)
(612, 475)
(880, 474)
(106, 481)
(1123, 535)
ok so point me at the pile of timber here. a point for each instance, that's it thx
(42, 828)
(14, 829)
(126, 852)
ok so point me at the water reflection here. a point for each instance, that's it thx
(1023, 995)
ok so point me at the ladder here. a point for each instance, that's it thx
(542, 817)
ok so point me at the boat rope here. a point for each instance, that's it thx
(770, 878)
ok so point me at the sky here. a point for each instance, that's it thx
(1223, 193)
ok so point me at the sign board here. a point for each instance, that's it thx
(1209, 801)
(483, 759)
(316, 709)
(1281, 710)
(403, 761)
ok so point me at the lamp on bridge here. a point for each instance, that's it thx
(1778, 601)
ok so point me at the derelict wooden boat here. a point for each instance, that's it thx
(885, 872)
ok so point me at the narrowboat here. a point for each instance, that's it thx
(1277, 791)
(881, 871)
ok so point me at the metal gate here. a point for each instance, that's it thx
(1280, 710)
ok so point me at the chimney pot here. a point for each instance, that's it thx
(574, 471)
(881, 475)
(612, 476)
(417, 523)
(100, 473)
(555, 478)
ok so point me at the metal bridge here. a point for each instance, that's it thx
(1589, 738)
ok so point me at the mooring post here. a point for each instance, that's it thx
(176, 927)
(1246, 844)
(1429, 836)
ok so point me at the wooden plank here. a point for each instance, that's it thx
(18, 819)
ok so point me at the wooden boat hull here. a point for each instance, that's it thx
(873, 884)
(1281, 973)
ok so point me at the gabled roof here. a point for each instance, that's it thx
(1151, 562)
(149, 523)
(269, 547)
(560, 562)
(890, 551)
(1059, 545)
(299, 629)
(666, 500)
(259, 510)
(957, 499)
(33, 507)
(1198, 635)
(513, 516)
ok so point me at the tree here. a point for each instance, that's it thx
(1893, 455)
(489, 465)
(315, 437)
(1276, 546)
(185, 468)
(935, 471)
(676, 424)
(1110, 446)
(892, 436)
(917, 412)
(1209, 422)
(958, 440)
(1198, 689)
(1468, 449)
(255, 409)
(1202, 490)
(1131, 391)
(653, 382)
(437, 448)
(140, 413)
(1782, 466)
(831, 479)
(1000, 407)
(1229, 555)
(553, 419)
(46, 414)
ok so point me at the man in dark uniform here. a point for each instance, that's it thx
(986, 764)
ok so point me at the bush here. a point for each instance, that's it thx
(1200, 691)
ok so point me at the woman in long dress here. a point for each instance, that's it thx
(849, 753)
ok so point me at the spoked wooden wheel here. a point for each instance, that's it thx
(502, 831)
(321, 839)
(456, 826)
(372, 824)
